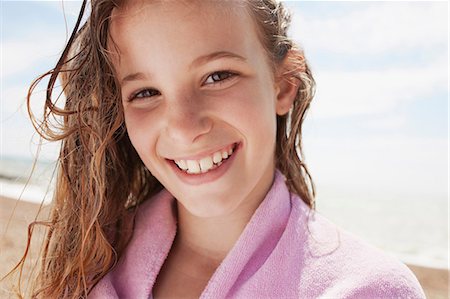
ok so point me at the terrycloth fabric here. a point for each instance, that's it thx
(283, 252)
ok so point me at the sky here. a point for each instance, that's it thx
(375, 138)
(379, 120)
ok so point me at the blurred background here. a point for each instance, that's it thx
(375, 139)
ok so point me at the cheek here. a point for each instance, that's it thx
(139, 131)
(253, 107)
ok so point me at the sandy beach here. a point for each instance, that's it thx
(13, 238)
(13, 241)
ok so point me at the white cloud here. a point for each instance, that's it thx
(68, 9)
(18, 136)
(346, 93)
(379, 165)
(25, 57)
(387, 121)
(24, 54)
(376, 28)
(71, 7)
(14, 101)
(42, 44)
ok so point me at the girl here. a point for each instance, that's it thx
(181, 172)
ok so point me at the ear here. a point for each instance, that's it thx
(286, 86)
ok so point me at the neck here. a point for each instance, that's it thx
(213, 237)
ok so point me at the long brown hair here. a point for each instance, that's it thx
(101, 179)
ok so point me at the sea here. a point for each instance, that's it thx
(415, 228)
(26, 179)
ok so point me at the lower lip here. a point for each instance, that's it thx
(207, 177)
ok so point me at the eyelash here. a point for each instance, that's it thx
(154, 92)
(138, 94)
(229, 74)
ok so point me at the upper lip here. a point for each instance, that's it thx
(204, 153)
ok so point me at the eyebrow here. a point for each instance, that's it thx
(216, 55)
(198, 61)
(133, 77)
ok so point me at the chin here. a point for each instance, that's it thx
(207, 207)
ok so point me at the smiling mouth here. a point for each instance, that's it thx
(207, 163)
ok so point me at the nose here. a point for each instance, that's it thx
(187, 120)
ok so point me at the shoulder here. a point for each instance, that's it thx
(395, 281)
(152, 236)
(338, 264)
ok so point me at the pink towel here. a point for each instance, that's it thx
(283, 252)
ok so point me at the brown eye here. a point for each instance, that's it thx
(219, 76)
(145, 93)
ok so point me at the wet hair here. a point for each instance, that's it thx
(273, 22)
(101, 179)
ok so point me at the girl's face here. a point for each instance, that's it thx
(200, 100)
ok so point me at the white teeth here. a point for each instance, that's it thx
(206, 164)
(224, 155)
(182, 164)
(217, 157)
(193, 166)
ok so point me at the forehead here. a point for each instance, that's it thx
(189, 26)
(189, 6)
